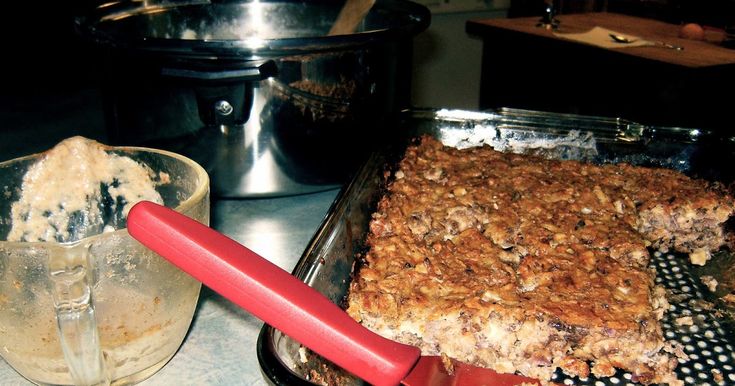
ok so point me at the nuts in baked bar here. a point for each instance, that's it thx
(525, 264)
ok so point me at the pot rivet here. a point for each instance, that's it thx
(223, 108)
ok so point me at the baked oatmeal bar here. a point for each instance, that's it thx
(524, 264)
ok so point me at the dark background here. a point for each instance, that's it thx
(49, 74)
(48, 78)
(42, 52)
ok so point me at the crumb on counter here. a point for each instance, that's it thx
(710, 282)
(684, 321)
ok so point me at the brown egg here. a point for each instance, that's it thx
(692, 31)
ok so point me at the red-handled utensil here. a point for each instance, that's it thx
(289, 305)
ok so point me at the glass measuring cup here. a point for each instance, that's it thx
(103, 309)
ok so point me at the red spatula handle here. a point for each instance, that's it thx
(270, 293)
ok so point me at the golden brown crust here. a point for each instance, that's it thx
(525, 264)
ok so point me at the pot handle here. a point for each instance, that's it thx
(253, 71)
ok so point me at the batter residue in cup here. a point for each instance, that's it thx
(77, 189)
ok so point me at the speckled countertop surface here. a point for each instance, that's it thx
(220, 347)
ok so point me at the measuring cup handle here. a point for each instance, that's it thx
(75, 318)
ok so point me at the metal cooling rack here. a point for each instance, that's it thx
(706, 341)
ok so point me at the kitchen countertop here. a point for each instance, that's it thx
(696, 54)
(220, 346)
(533, 68)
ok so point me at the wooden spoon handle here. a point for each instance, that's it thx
(350, 16)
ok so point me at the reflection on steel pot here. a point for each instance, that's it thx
(255, 90)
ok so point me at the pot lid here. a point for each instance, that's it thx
(227, 28)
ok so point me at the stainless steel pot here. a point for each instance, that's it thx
(254, 90)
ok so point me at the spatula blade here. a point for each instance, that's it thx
(432, 371)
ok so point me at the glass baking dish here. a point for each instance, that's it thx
(329, 260)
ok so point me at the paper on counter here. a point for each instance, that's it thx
(600, 37)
